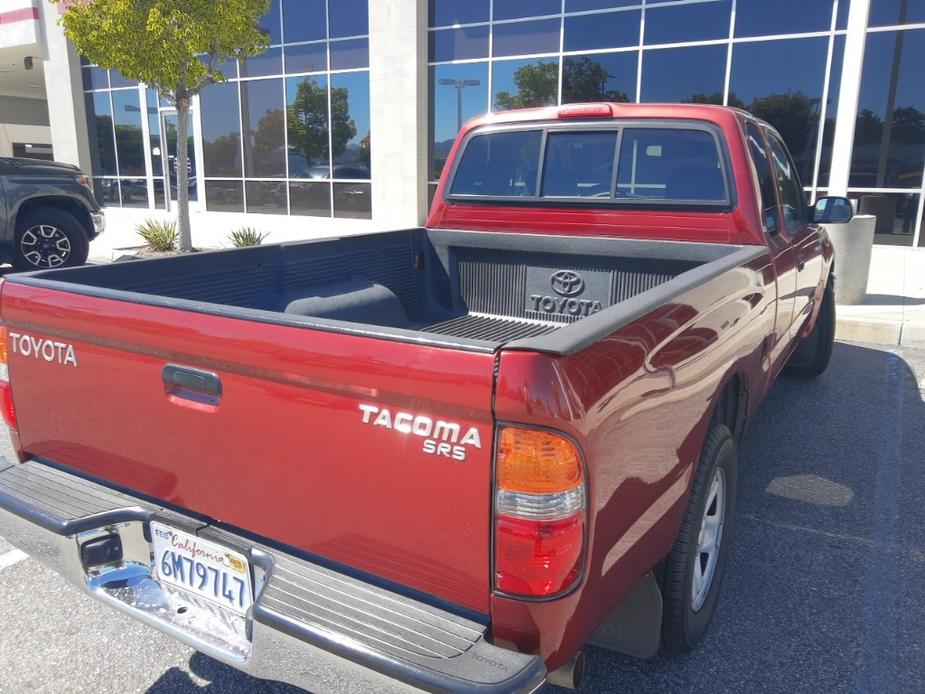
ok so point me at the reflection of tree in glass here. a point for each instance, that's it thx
(225, 154)
(714, 98)
(365, 160)
(104, 144)
(537, 85)
(268, 138)
(308, 121)
(908, 125)
(868, 128)
(131, 149)
(584, 79)
(794, 115)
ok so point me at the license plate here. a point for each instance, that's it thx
(203, 568)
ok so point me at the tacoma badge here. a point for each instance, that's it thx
(440, 438)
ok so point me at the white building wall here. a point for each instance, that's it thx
(398, 110)
(846, 113)
(64, 87)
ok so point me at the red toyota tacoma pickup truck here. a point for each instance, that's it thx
(442, 458)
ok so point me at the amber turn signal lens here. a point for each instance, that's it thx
(3, 336)
(536, 462)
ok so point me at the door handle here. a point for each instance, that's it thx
(801, 261)
(193, 385)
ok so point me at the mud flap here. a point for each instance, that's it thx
(634, 627)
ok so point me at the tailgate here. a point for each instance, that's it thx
(370, 453)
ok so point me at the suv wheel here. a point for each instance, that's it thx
(49, 238)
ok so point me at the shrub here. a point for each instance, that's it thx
(247, 236)
(159, 235)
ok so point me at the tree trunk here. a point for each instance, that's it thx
(186, 240)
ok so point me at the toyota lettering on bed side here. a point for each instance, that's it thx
(52, 351)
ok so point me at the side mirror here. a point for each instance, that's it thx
(832, 210)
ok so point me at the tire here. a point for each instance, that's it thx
(812, 355)
(688, 608)
(48, 238)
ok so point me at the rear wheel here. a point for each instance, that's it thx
(812, 355)
(48, 238)
(693, 570)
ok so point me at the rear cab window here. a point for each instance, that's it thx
(633, 165)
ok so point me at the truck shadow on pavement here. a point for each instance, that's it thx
(824, 586)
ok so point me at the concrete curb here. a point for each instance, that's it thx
(882, 332)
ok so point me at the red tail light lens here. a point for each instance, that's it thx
(6, 402)
(6, 392)
(540, 501)
(537, 558)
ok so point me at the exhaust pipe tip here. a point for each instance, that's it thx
(569, 674)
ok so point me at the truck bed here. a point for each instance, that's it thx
(475, 291)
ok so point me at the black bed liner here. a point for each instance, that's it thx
(470, 290)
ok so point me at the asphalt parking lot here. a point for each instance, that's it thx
(824, 592)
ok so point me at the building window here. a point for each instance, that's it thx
(789, 96)
(686, 74)
(117, 143)
(781, 59)
(888, 159)
(889, 136)
(294, 130)
(287, 133)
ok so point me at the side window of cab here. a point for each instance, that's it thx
(767, 194)
(792, 201)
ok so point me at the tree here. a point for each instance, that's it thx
(869, 128)
(537, 85)
(307, 120)
(794, 115)
(714, 98)
(908, 125)
(175, 46)
(586, 80)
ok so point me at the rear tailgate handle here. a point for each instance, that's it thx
(184, 383)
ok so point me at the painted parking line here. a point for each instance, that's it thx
(14, 556)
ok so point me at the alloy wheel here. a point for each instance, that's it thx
(709, 541)
(45, 246)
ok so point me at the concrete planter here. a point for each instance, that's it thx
(854, 243)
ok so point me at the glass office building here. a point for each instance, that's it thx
(292, 132)
(287, 133)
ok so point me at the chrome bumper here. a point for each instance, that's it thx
(310, 626)
(99, 222)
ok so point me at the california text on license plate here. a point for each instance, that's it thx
(204, 568)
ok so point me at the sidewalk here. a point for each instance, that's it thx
(894, 311)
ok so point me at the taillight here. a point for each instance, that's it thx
(540, 503)
(6, 392)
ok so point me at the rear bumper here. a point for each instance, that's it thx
(309, 626)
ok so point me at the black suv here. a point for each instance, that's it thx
(48, 214)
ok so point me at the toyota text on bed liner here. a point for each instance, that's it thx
(443, 458)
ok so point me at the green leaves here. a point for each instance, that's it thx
(175, 46)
